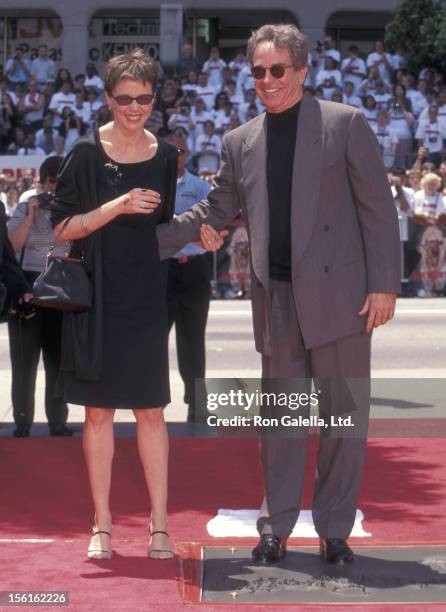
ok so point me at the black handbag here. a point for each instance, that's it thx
(64, 284)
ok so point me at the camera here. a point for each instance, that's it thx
(396, 106)
(45, 199)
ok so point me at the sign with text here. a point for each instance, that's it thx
(110, 36)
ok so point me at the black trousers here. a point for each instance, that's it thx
(188, 295)
(26, 339)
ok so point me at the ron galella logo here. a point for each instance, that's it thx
(114, 176)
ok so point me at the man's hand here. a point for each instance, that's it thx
(211, 239)
(380, 307)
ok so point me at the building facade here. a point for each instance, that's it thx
(78, 31)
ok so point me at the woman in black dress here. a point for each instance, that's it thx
(117, 185)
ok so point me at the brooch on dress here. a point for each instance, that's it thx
(114, 176)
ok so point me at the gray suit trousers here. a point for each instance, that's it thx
(342, 370)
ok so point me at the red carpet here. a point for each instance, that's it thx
(45, 495)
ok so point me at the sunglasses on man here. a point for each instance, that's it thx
(277, 71)
(142, 100)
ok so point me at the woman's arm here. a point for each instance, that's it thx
(19, 236)
(140, 201)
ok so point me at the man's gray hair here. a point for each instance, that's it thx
(283, 36)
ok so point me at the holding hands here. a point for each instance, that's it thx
(210, 238)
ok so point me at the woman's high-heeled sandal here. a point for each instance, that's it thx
(99, 553)
(168, 552)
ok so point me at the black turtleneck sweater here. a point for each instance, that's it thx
(281, 141)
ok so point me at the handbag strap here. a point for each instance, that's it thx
(59, 234)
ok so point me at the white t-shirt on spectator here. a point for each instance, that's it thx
(323, 75)
(179, 120)
(28, 151)
(71, 136)
(403, 216)
(245, 81)
(58, 102)
(398, 61)
(93, 108)
(243, 109)
(441, 117)
(213, 68)
(418, 100)
(33, 115)
(352, 100)
(383, 70)
(371, 115)
(188, 87)
(432, 135)
(399, 124)
(40, 136)
(333, 53)
(94, 81)
(370, 90)
(208, 94)
(199, 121)
(425, 204)
(359, 69)
(236, 102)
(83, 112)
(382, 100)
(14, 98)
(221, 119)
(387, 138)
(208, 150)
(236, 67)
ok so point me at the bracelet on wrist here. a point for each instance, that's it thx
(84, 228)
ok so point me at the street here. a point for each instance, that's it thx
(412, 346)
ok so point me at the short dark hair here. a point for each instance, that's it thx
(135, 66)
(50, 167)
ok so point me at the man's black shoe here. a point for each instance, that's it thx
(336, 550)
(60, 430)
(21, 432)
(269, 549)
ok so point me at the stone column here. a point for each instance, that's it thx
(75, 44)
(171, 32)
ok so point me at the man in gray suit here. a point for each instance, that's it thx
(324, 248)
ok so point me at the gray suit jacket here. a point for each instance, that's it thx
(344, 226)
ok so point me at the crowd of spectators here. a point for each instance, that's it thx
(42, 111)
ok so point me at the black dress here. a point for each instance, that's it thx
(135, 369)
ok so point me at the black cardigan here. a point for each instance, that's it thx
(10, 271)
(82, 332)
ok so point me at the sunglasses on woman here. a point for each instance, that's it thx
(277, 71)
(142, 100)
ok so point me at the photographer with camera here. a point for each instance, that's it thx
(402, 122)
(18, 69)
(387, 138)
(403, 197)
(181, 118)
(329, 78)
(431, 135)
(31, 235)
(72, 127)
